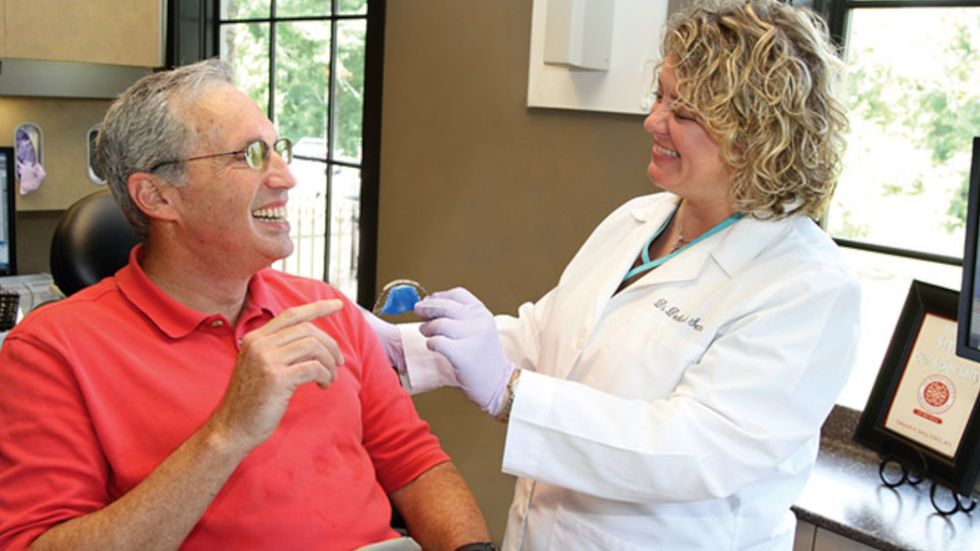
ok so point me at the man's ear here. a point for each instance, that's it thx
(151, 195)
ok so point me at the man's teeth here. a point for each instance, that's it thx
(665, 151)
(278, 213)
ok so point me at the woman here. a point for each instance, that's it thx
(668, 393)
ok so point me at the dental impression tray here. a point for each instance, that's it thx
(398, 296)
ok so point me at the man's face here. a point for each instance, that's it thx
(231, 213)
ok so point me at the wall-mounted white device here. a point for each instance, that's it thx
(594, 55)
(578, 34)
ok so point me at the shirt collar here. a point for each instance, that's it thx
(746, 240)
(738, 246)
(656, 210)
(175, 319)
(260, 295)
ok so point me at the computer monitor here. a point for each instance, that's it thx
(968, 318)
(8, 213)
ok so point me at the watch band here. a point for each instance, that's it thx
(481, 546)
(504, 414)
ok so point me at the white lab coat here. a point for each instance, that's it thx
(683, 412)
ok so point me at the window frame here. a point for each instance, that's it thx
(837, 15)
(194, 33)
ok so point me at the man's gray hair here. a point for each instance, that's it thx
(146, 126)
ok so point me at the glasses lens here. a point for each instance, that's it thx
(255, 155)
(284, 147)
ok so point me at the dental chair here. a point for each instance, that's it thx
(92, 241)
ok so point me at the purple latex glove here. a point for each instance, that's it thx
(31, 176)
(390, 337)
(462, 329)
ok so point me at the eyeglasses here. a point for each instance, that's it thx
(255, 154)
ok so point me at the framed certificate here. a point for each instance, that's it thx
(923, 410)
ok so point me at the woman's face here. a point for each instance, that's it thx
(684, 159)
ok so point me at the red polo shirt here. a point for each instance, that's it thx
(96, 390)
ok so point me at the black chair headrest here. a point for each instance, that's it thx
(91, 242)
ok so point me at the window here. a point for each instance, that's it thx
(913, 93)
(306, 61)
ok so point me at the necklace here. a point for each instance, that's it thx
(681, 241)
(681, 244)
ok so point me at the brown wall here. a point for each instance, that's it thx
(65, 124)
(93, 31)
(477, 190)
(34, 231)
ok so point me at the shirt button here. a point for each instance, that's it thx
(217, 323)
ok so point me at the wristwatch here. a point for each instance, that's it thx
(504, 414)
(482, 546)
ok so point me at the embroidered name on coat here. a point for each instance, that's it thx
(675, 314)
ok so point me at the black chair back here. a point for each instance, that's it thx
(91, 242)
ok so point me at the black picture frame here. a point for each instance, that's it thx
(888, 432)
(968, 336)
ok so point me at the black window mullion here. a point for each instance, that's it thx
(874, 4)
(331, 114)
(895, 251)
(209, 35)
(272, 61)
(291, 18)
(367, 249)
(216, 35)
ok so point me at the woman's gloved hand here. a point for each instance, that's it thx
(390, 337)
(462, 329)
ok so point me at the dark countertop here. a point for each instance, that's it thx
(845, 495)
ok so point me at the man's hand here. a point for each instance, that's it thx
(273, 362)
(462, 329)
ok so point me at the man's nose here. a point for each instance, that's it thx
(280, 174)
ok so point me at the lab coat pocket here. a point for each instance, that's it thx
(573, 532)
(640, 352)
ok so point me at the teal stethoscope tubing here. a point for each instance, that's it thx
(651, 264)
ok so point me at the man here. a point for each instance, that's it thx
(174, 404)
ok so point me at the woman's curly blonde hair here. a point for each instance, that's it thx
(763, 78)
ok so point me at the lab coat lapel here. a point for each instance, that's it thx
(748, 238)
(648, 220)
(684, 267)
(731, 250)
(622, 253)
